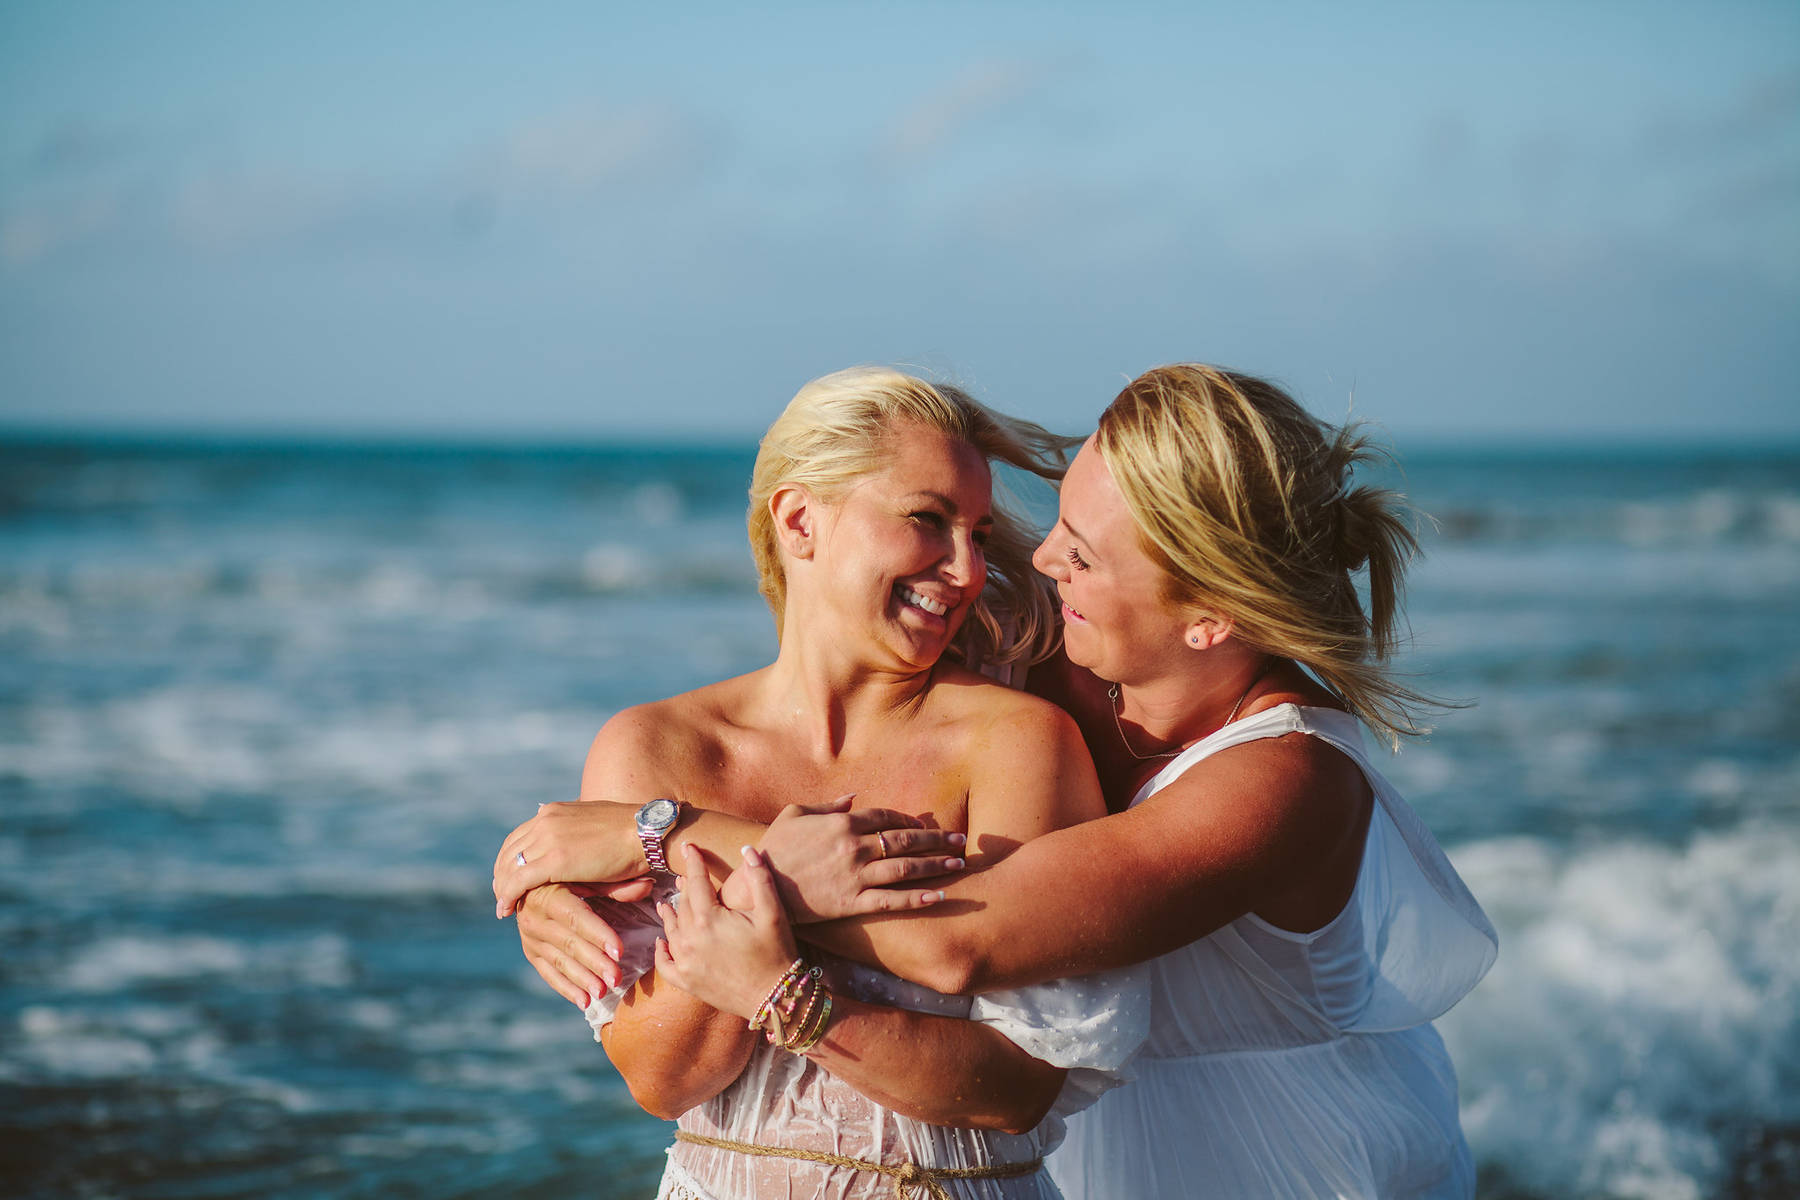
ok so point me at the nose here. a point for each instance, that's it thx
(1048, 562)
(968, 561)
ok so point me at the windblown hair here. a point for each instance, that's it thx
(1248, 504)
(835, 430)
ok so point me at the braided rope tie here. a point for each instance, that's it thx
(911, 1181)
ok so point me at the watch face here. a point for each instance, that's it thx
(657, 814)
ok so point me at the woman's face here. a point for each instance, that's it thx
(1116, 621)
(902, 554)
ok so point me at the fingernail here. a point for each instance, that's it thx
(931, 897)
(750, 855)
(953, 864)
(593, 997)
(499, 911)
(957, 839)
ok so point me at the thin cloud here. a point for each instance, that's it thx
(978, 92)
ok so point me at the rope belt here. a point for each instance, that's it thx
(911, 1181)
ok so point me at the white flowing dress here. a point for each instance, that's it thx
(1090, 1025)
(1287, 1065)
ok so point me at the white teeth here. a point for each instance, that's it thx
(917, 601)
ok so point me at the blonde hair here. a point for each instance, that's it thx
(833, 433)
(1247, 503)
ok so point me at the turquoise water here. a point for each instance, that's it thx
(265, 713)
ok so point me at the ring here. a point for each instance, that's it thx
(519, 858)
(881, 837)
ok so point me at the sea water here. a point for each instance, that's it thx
(267, 711)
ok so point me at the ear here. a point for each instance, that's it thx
(795, 511)
(1206, 630)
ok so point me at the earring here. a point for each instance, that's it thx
(1195, 638)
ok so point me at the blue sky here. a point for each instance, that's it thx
(560, 220)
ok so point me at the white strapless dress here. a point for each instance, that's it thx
(1284, 1065)
(1090, 1025)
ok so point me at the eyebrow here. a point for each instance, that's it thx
(947, 502)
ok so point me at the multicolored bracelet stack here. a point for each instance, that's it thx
(797, 1010)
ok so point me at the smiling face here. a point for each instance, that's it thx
(900, 557)
(1117, 622)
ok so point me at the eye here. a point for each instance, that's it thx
(1075, 559)
(927, 518)
(980, 537)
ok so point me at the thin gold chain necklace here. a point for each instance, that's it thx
(1112, 696)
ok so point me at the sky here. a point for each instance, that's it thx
(1472, 221)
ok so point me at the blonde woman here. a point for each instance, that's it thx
(1301, 926)
(876, 538)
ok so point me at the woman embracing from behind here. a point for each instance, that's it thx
(1301, 926)
(875, 536)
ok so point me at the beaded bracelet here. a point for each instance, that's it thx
(813, 1036)
(797, 1009)
(783, 987)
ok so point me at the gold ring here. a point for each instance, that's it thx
(881, 837)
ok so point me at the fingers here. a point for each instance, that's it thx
(512, 880)
(556, 925)
(841, 804)
(868, 820)
(883, 841)
(884, 900)
(561, 985)
(666, 967)
(887, 871)
(624, 891)
(696, 883)
(765, 901)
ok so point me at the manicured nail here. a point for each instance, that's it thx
(953, 864)
(499, 911)
(750, 855)
(957, 839)
(593, 997)
(931, 897)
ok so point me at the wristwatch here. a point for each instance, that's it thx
(655, 821)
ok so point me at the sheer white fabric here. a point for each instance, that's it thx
(1301, 1065)
(1090, 1025)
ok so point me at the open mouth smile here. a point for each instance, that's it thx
(908, 596)
(1069, 614)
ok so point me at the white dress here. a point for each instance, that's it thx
(1284, 1065)
(1090, 1025)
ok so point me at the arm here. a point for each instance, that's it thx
(1253, 829)
(596, 839)
(943, 1070)
(673, 1050)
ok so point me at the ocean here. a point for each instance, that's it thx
(267, 710)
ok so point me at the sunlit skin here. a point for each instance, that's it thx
(1274, 827)
(879, 580)
(913, 531)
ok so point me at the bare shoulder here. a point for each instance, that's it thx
(1026, 761)
(647, 746)
(988, 708)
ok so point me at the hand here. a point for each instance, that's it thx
(574, 842)
(720, 956)
(830, 862)
(575, 951)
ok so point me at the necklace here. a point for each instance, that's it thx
(1112, 696)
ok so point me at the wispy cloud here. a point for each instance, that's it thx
(85, 184)
(980, 91)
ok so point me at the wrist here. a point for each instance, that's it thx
(656, 823)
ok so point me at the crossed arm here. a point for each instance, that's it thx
(1273, 827)
(677, 1048)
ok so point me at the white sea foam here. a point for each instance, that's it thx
(1642, 994)
(125, 962)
